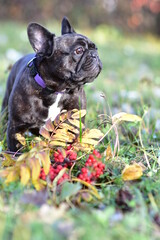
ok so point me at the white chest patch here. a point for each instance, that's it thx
(54, 110)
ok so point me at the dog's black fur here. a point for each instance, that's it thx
(65, 63)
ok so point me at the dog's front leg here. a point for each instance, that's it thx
(13, 128)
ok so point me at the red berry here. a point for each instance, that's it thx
(84, 170)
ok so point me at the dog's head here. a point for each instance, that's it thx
(70, 57)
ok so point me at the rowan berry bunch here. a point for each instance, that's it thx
(93, 168)
(62, 159)
(53, 172)
(91, 171)
(65, 158)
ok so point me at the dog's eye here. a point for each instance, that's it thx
(79, 50)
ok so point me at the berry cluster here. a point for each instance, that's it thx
(65, 158)
(62, 159)
(53, 172)
(93, 168)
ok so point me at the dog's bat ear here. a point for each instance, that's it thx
(66, 27)
(41, 39)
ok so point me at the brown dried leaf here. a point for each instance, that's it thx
(109, 153)
(123, 198)
(49, 125)
(44, 133)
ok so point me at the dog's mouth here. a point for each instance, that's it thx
(87, 70)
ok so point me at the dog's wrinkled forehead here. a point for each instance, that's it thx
(67, 42)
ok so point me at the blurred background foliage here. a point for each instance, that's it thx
(129, 15)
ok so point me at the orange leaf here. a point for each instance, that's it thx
(45, 160)
(132, 172)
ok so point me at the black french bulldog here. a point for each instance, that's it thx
(41, 85)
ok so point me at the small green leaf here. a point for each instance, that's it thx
(69, 189)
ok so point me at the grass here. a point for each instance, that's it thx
(129, 82)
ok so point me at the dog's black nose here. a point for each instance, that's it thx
(93, 54)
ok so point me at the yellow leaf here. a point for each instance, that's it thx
(12, 176)
(8, 161)
(35, 167)
(24, 174)
(94, 190)
(24, 156)
(92, 133)
(70, 128)
(88, 141)
(68, 137)
(79, 114)
(109, 153)
(39, 144)
(57, 143)
(132, 172)
(82, 147)
(21, 139)
(76, 123)
(44, 133)
(38, 184)
(62, 117)
(45, 160)
(122, 116)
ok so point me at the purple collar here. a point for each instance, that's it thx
(40, 81)
(35, 74)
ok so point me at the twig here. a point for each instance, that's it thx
(141, 142)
